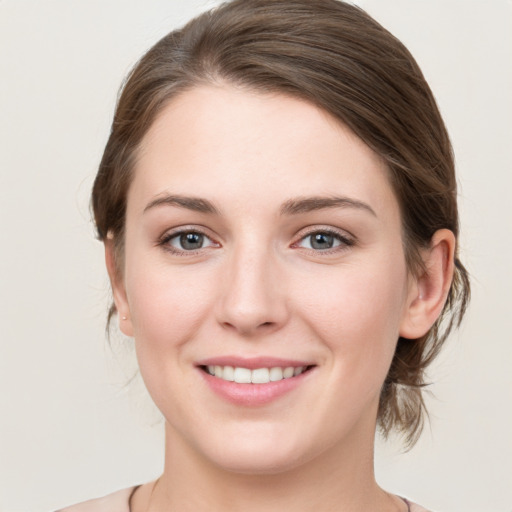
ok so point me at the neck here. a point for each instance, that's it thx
(341, 479)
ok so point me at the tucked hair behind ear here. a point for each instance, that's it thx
(336, 56)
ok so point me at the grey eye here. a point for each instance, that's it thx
(189, 241)
(323, 240)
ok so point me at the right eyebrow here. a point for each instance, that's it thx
(190, 203)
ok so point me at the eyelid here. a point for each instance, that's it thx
(347, 239)
(167, 236)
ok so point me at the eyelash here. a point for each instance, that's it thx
(344, 241)
(167, 237)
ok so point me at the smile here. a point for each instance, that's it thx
(243, 375)
(254, 381)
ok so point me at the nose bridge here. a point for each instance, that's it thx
(252, 298)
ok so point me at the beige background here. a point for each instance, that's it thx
(68, 429)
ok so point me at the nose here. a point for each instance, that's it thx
(253, 295)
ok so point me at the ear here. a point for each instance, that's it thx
(428, 292)
(118, 288)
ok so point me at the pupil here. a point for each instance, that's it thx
(322, 241)
(191, 241)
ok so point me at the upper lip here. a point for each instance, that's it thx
(253, 363)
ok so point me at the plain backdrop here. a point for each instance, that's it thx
(69, 427)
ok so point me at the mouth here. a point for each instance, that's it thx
(255, 381)
(263, 375)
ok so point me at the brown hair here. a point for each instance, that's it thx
(336, 56)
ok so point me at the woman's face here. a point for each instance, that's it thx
(263, 243)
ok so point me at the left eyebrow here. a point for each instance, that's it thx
(310, 204)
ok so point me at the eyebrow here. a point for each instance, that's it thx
(290, 207)
(310, 204)
(190, 203)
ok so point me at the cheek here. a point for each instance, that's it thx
(356, 312)
(167, 305)
(168, 309)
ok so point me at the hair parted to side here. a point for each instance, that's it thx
(336, 56)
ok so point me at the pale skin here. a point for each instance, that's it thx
(298, 254)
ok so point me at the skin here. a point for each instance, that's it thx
(257, 287)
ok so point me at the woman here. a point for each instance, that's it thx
(277, 201)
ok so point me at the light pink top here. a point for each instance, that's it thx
(120, 502)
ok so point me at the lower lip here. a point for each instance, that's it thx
(252, 395)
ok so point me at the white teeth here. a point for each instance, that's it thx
(260, 376)
(243, 375)
(288, 372)
(257, 376)
(228, 373)
(276, 374)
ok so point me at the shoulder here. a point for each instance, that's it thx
(118, 501)
(414, 507)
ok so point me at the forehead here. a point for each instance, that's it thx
(243, 146)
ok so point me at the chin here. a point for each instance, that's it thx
(259, 455)
(248, 462)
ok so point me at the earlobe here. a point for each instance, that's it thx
(427, 294)
(118, 288)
